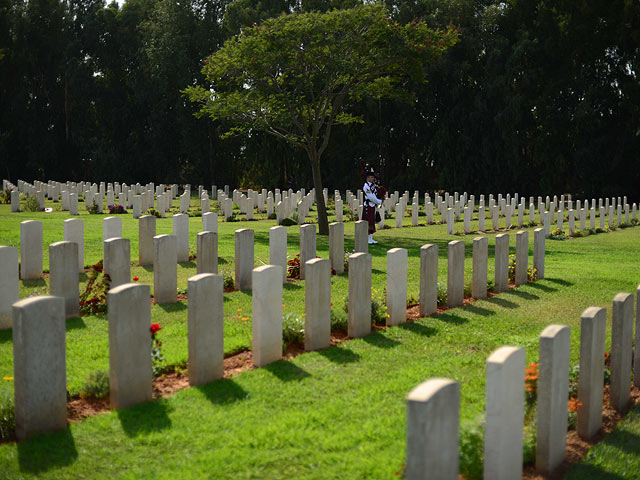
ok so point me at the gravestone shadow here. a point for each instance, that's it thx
(381, 341)
(47, 451)
(544, 288)
(502, 302)
(419, 328)
(145, 418)
(484, 312)
(452, 318)
(287, 371)
(6, 335)
(222, 392)
(340, 355)
(522, 294)
(559, 281)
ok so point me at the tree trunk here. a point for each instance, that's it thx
(323, 221)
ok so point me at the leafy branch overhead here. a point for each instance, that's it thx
(292, 75)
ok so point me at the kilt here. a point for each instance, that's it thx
(369, 214)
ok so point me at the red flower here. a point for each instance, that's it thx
(135, 279)
(155, 327)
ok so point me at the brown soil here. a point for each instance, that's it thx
(182, 297)
(577, 448)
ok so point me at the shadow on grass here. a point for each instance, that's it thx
(296, 285)
(502, 302)
(147, 268)
(485, 312)
(189, 264)
(340, 355)
(544, 288)
(287, 371)
(47, 451)
(172, 307)
(222, 261)
(6, 335)
(521, 294)
(39, 282)
(586, 471)
(381, 341)
(559, 281)
(452, 318)
(74, 323)
(145, 418)
(418, 328)
(223, 392)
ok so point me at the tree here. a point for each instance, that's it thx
(296, 76)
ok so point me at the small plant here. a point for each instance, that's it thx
(272, 216)
(472, 449)
(154, 212)
(93, 300)
(577, 233)
(292, 329)
(600, 230)
(339, 321)
(117, 209)
(442, 294)
(96, 386)
(227, 280)
(231, 218)
(607, 368)
(351, 214)
(557, 234)
(293, 268)
(157, 359)
(5, 196)
(411, 301)
(531, 384)
(346, 260)
(573, 406)
(7, 411)
(378, 312)
(612, 228)
(195, 213)
(31, 203)
(287, 222)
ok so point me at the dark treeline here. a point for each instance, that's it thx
(537, 97)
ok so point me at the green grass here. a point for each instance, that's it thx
(339, 413)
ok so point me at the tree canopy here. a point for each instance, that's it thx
(537, 96)
(296, 76)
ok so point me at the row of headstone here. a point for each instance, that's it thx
(41, 405)
(433, 407)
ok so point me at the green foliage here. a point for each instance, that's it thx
(7, 412)
(93, 300)
(287, 222)
(5, 195)
(292, 329)
(227, 280)
(442, 294)
(96, 385)
(93, 209)
(339, 320)
(558, 234)
(31, 203)
(472, 448)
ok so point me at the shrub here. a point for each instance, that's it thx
(472, 449)
(577, 233)
(157, 359)
(339, 321)
(154, 212)
(287, 222)
(7, 413)
(117, 209)
(30, 203)
(93, 300)
(292, 329)
(557, 234)
(442, 294)
(531, 384)
(195, 213)
(96, 386)
(351, 214)
(5, 196)
(412, 301)
(293, 268)
(227, 280)
(231, 218)
(272, 216)
(378, 313)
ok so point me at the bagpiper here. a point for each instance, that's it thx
(371, 200)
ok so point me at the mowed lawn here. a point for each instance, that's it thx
(339, 413)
